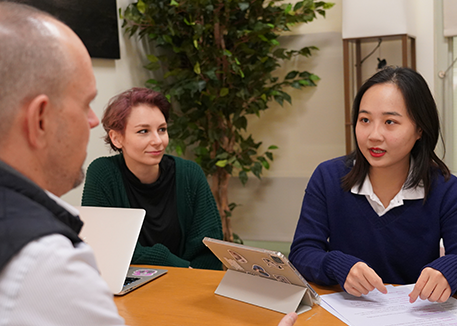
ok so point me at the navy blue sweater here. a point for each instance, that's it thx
(337, 229)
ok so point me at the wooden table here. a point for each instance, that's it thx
(186, 297)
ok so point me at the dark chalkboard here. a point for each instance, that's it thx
(94, 21)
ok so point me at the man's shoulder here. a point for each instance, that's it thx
(47, 274)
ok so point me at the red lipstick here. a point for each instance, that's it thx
(377, 152)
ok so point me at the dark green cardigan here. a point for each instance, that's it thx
(197, 211)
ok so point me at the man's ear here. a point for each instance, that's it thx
(116, 138)
(37, 121)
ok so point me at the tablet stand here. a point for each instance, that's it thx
(264, 292)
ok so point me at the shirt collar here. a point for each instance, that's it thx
(72, 210)
(404, 194)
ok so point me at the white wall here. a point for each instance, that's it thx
(307, 132)
(113, 77)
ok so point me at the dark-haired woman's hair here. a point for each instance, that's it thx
(120, 106)
(422, 110)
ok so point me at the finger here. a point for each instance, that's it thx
(445, 295)
(289, 319)
(428, 291)
(418, 287)
(356, 288)
(376, 282)
(353, 291)
(358, 279)
(441, 291)
(415, 293)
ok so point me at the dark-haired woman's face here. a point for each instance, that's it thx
(385, 133)
(145, 138)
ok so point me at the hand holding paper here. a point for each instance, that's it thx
(432, 286)
(362, 280)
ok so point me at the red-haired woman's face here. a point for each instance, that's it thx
(145, 138)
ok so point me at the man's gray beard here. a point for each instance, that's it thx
(80, 179)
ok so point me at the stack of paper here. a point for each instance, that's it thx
(390, 309)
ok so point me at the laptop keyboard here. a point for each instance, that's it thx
(130, 280)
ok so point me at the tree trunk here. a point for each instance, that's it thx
(219, 187)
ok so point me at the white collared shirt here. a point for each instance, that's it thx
(51, 282)
(404, 194)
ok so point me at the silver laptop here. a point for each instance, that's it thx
(112, 233)
(259, 262)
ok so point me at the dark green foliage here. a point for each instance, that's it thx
(218, 57)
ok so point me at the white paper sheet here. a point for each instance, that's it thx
(393, 308)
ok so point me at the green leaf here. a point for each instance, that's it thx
(328, 5)
(196, 44)
(167, 38)
(152, 58)
(296, 84)
(221, 163)
(243, 5)
(298, 5)
(197, 68)
(223, 92)
(271, 147)
(288, 8)
(241, 123)
(174, 3)
(243, 176)
(280, 100)
(257, 169)
(141, 6)
(178, 150)
(292, 74)
(314, 78)
(266, 165)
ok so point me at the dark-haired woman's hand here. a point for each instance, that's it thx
(362, 279)
(432, 286)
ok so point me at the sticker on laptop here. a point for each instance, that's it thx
(281, 278)
(234, 264)
(144, 272)
(237, 256)
(260, 270)
(271, 263)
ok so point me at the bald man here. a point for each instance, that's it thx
(48, 276)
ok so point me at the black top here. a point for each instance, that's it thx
(161, 224)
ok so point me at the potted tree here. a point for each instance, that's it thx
(218, 57)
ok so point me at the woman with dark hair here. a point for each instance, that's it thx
(180, 208)
(377, 215)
